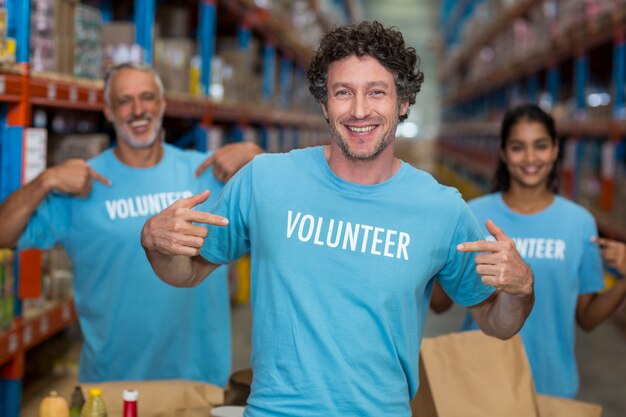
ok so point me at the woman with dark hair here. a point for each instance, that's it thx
(557, 238)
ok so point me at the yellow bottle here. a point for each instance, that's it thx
(94, 407)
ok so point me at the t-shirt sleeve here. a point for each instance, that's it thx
(49, 224)
(224, 244)
(458, 277)
(591, 270)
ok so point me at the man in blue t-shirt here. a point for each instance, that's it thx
(135, 327)
(345, 242)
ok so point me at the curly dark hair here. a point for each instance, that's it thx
(367, 39)
(525, 112)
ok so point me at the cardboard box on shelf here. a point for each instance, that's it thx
(243, 82)
(118, 32)
(173, 21)
(470, 374)
(64, 36)
(169, 398)
(80, 146)
(172, 60)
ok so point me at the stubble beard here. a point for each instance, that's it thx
(378, 149)
(126, 135)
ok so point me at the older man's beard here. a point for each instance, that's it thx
(378, 149)
(124, 133)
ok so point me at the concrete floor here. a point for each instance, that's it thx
(601, 358)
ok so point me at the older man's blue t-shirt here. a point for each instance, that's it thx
(342, 275)
(135, 326)
(556, 243)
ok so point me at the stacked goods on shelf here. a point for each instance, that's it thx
(88, 42)
(302, 18)
(588, 176)
(83, 146)
(6, 288)
(7, 45)
(52, 36)
(66, 38)
(577, 12)
(42, 39)
(118, 39)
(57, 278)
(173, 49)
(241, 70)
(536, 35)
(56, 285)
(172, 60)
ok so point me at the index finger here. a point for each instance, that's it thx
(204, 165)
(602, 242)
(479, 246)
(496, 231)
(207, 218)
(99, 177)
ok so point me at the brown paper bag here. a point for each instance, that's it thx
(167, 398)
(560, 407)
(470, 374)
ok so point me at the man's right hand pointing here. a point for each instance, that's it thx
(501, 266)
(172, 231)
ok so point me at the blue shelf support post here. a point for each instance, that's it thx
(144, 24)
(106, 8)
(14, 118)
(207, 28)
(244, 43)
(515, 92)
(286, 82)
(269, 69)
(553, 84)
(580, 84)
(206, 40)
(532, 88)
(619, 78)
(244, 37)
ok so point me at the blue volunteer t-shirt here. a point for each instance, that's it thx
(135, 326)
(341, 280)
(556, 243)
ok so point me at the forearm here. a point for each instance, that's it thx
(601, 306)
(180, 270)
(503, 315)
(18, 208)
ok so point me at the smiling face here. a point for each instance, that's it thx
(529, 154)
(135, 108)
(362, 107)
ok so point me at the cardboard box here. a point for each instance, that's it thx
(172, 60)
(470, 374)
(118, 32)
(83, 146)
(168, 398)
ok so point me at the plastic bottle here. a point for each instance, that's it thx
(130, 403)
(77, 401)
(94, 407)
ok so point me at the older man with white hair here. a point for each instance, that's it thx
(135, 327)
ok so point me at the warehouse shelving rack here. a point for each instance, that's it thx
(20, 90)
(472, 107)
